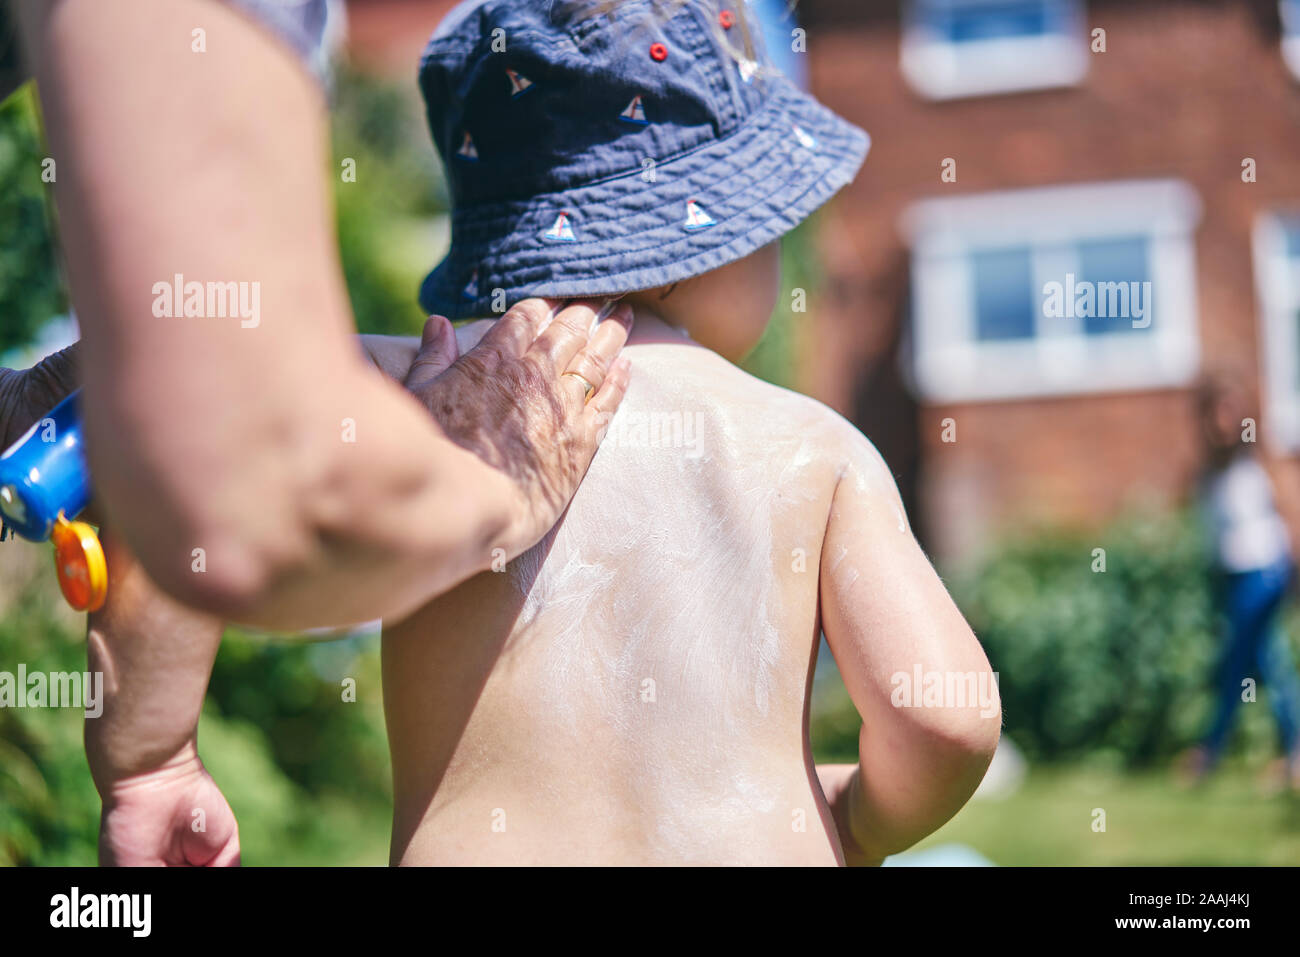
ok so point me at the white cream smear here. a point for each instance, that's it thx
(667, 568)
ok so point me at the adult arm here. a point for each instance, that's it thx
(885, 613)
(222, 450)
(27, 394)
(160, 805)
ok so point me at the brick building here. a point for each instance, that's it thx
(1065, 163)
(1121, 165)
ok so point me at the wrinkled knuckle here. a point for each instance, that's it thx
(577, 324)
(544, 360)
(597, 363)
(531, 312)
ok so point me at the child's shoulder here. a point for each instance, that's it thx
(754, 421)
(836, 442)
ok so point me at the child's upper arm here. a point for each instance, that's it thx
(884, 609)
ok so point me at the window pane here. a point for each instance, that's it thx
(1004, 294)
(1121, 261)
(961, 21)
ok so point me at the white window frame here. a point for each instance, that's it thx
(947, 363)
(1277, 285)
(1290, 16)
(940, 69)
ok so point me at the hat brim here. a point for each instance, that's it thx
(630, 232)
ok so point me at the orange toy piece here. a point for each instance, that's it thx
(79, 561)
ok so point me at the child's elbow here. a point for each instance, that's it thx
(965, 735)
(978, 738)
(970, 725)
(972, 734)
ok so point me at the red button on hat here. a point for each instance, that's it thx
(727, 19)
(658, 52)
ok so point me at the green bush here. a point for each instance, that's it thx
(49, 811)
(1119, 661)
(31, 286)
(293, 694)
(306, 773)
(383, 215)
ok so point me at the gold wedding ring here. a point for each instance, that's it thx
(590, 388)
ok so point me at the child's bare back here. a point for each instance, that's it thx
(635, 688)
(641, 676)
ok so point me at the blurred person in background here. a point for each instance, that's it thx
(1254, 567)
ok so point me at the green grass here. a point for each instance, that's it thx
(1150, 820)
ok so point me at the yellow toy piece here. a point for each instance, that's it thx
(79, 561)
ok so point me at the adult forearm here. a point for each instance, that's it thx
(252, 462)
(342, 505)
(27, 394)
(155, 657)
(219, 423)
(447, 487)
(186, 525)
(355, 503)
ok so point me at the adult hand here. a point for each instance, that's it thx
(160, 805)
(174, 816)
(532, 399)
(27, 394)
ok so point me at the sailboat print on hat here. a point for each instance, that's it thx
(696, 217)
(467, 151)
(635, 113)
(561, 232)
(471, 288)
(519, 84)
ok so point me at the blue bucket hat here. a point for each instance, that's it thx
(598, 155)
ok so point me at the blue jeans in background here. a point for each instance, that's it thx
(1256, 648)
